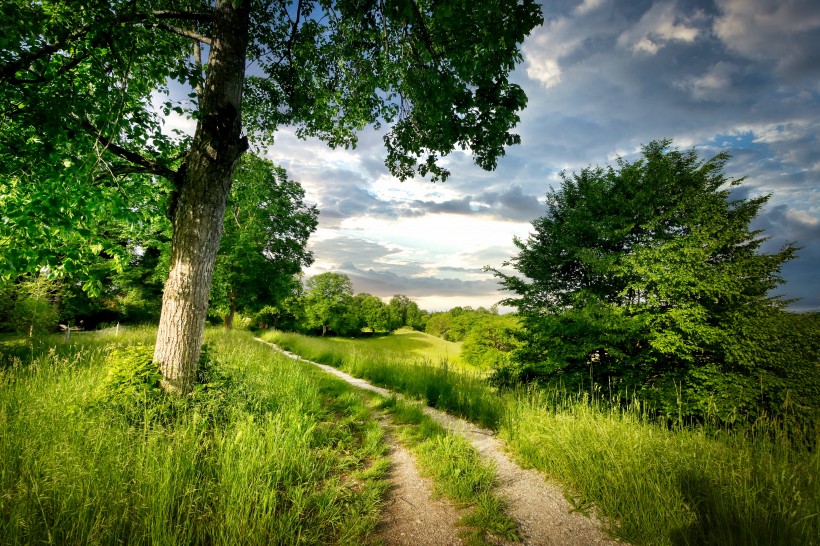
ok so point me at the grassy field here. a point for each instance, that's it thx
(266, 451)
(279, 454)
(456, 389)
(654, 485)
(409, 342)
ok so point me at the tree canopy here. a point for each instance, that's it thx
(647, 276)
(264, 241)
(80, 138)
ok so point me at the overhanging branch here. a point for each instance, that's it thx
(140, 163)
(186, 33)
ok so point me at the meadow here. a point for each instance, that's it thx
(269, 450)
(278, 453)
(654, 484)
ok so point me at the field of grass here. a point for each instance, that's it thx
(463, 393)
(281, 453)
(655, 485)
(408, 342)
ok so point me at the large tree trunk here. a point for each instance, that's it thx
(202, 191)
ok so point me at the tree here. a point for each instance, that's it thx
(33, 306)
(373, 312)
(648, 275)
(76, 82)
(491, 341)
(329, 304)
(265, 233)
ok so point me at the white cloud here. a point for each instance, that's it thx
(546, 46)
(714, 84)
(661, 24)
(588, 5)
(784, 31)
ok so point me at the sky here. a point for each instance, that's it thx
(603, 77)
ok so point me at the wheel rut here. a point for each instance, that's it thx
(543, 514)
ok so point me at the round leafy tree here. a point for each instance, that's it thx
(647, 277)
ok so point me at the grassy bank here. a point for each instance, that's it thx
(281, 454)
(655, 485)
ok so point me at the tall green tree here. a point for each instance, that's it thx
(265, 234)
(79, 138)
(329, 305)
(373, 312)
(648, 275)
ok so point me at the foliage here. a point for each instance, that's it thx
(373, 313)
(265, 233)
(491, 341)
(647, 276)
(455, 324)
(30, 305)
(405, 312)
(328, 304)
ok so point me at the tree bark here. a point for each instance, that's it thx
(198, 208)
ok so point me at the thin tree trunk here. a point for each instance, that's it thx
(231, 311)
(201, 194)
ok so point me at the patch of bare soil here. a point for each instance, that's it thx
(543, 514)
(412, 515)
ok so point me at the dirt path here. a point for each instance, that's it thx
(543, 514)
(412, 515)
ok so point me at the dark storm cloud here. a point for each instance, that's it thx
(785, 226)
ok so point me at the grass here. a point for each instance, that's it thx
(294, 456)
(406, 341)
(658, 485)
(653, 484)
(440, 386)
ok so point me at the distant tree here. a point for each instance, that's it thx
(373, 312)
(265, 234)
(417, 317)
(329, 304)
(491, 341)
(648, 276)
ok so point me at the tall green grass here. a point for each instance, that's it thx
(299, 460)
(653, 484)
(439, 385)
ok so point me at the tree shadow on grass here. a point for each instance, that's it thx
(725, 520)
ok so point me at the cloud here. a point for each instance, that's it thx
(785, 225)
(715, 84)
(510, 204)
(386, 283)
(602, 78)
(660, 25)
(786, 32)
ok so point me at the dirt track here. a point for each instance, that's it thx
(543, 514)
